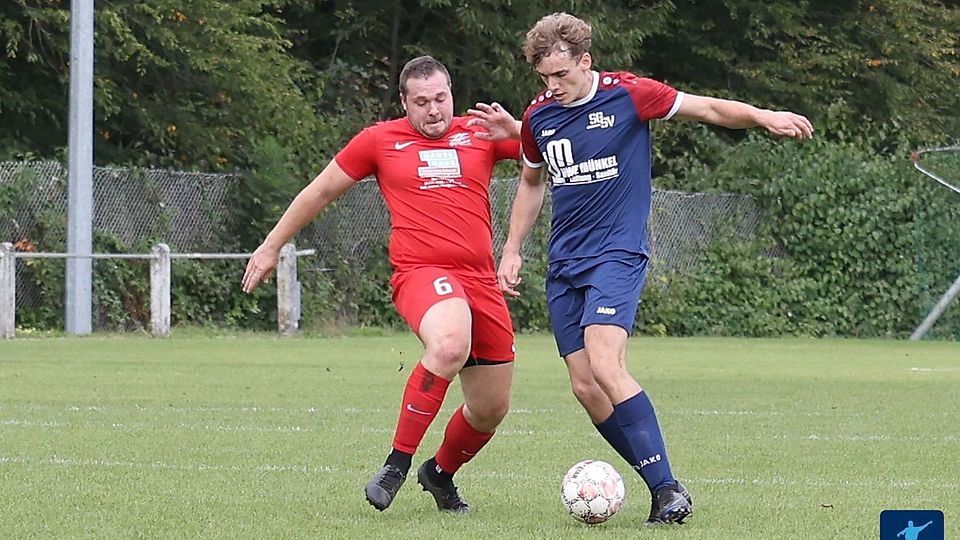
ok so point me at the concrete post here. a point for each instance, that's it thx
(288, 292)
(160, 290)
(8, 291)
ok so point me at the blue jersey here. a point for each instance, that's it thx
(598, 156)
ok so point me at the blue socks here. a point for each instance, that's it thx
(614, 436)
(644, 443)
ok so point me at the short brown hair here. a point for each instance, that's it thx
(559, 32)
(421, 67)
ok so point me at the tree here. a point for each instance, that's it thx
(479, 41)
(889, 63)
(178, 84)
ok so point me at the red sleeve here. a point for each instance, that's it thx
(652, 99)
(508, 149)
(358, 158)
(531, 152)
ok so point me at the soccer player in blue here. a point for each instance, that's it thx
(587, 135)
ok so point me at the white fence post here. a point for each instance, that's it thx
(8, 291)
(160, 290)
(288, 292)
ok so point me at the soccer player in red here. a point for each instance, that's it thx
(434, 172)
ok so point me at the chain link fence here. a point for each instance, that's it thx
(134, 205)
(188, 211)
(681, 224)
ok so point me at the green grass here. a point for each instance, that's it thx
(257, 437)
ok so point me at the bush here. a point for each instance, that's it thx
(850, 224)
(854, 243)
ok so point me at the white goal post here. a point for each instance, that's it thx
(954, 290)
(160, 257)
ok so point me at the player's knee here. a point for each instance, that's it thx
(495, 413)
(586, 391)
(451, 351)
(488, 415)
(608, 374)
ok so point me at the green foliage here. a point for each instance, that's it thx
(263, 193)
(480, 42)
(841, 215)
(319, 296)
(186, 85)
(121, 288)
(364, 292)
(207, 292)
(684, 154)
(847, 227)
(529, 310)
(15, 194)
(273, 88)
(739, 289)
(199, 84)
(45, 278)
(887, 61)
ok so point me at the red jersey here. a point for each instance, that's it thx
(437, 191)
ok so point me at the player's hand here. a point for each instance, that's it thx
(498, 123)
(508, 275)
(259, 267)
(787, 124)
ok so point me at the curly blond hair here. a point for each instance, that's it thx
(558, 32)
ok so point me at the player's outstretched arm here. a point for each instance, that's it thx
(327, 186)
(738, 115)
(526, 208)
(499, 123)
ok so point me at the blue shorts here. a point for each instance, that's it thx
(581, 292)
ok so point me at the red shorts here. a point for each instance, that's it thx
(416, 291)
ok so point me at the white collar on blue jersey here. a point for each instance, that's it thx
(589, 96)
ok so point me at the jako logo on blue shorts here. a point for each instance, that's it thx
(911, 525)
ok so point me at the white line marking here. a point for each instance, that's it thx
(506, 432)
(33, 423)
(159, 427)
(824, 483)
(107, 463)
(869, 438)
(818, 483)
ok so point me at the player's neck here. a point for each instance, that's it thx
(587, 91)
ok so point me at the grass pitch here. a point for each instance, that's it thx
(258, 437)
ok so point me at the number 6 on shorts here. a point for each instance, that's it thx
(441, 286)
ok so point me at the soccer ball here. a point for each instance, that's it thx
(592, 491)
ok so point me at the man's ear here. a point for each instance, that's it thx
(586, 60)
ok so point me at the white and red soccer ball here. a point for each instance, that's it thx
(592, 491)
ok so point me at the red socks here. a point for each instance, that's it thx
(460, 443)
(422, 398)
